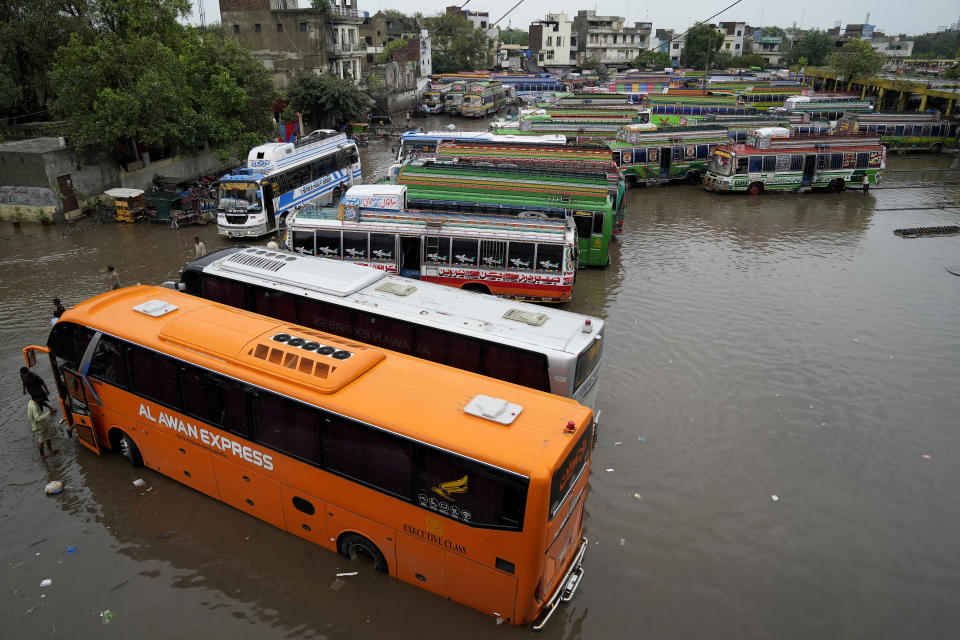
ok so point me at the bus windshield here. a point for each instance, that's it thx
(238, 195)
(721, 163)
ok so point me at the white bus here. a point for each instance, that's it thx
(255, 200)
(538, 347)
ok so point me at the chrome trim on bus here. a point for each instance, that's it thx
(567, 587)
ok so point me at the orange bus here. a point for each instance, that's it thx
(467, 486)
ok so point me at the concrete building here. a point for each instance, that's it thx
(896, 50)
(767, 46)
(608, 39)
(733, 35)
(550, 41)
(380, 28)
(288, 40)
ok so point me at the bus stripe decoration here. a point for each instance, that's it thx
(476, 492)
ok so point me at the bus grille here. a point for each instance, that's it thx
(237, 219)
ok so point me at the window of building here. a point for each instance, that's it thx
(257, 28)
(236, 28)
(303, 26)
(736, 46)
(549, 41)
(279, 27)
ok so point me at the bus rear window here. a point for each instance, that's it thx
(587, 361)
(568, 472)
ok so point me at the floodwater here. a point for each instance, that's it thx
(781, 345)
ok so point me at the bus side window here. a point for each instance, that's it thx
(584, 223)
(355, 245)
(521, 255)
(328, 243)
(109, 363)
(598, 217)
(836, 160)
(324, 317)
(288, 426)
(769, 163)
(796, 162)
(549, 258)
(703, 151)
(383, 332)
(382, 247)
(276, 304)
(756, 164)
(216, 400)
(490, 498)
(464, 253)
(373, 457)
(863, 159)
(154, 375)
(225, 291)
(742, 164)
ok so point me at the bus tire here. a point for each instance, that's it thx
(936, 148)
(755, 189)
(129, 450)
(476, 286)
(693, 177)
(631, 182)
(836, 186)
(353, 545)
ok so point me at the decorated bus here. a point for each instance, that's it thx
(482, 99)
(466, 486)
(584, 195)
(433, 98)
(826, 110)
(526, 259)
(672, 111)
(928, 130)
(279, 176)
(769, 162)
(654, 157)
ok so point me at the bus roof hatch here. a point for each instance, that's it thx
(495, 409)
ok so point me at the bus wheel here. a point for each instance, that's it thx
(353, 545)
(937, 148)
(693, 177)
(836, 186)
(631, 182)
(475, 286)
(129, 450)
(755, 189)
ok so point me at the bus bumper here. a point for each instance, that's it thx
(567, 587)
(242, 232)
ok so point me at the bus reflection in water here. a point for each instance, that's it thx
(474, 491)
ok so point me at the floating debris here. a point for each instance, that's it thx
(139, 482)
(916, 232)
(775, 498)
(46, 582)
(347, 573)
(54, 487)
(106, 616)
(927, 456)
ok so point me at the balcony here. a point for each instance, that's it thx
(350, 16)
(345, 49)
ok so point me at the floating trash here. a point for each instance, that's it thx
(71, 550)
(139, 482)
(638, 496)
(46, 582)
(927, 456)
(54, 487)
(775, 498)
(106, 616)
(347, 573)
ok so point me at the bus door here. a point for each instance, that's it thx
(809, 168)
(666, 154)
(410, 256)
(79, 410)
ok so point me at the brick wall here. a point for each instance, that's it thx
(244, 5)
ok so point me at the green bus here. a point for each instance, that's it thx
(684, 110)
(768, 163)
(483, 99)
(501, 191)
(655, 157)
(926, 131)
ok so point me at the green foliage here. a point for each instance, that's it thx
(322, 6)
(748, 60)
(326, 100)
(651, 60)
(816, 46)
(591, 63)
(857, 58)
(147, 78)
(700, 41)
(802, 62)
(456, 45)
(774, 31)
(394, 14)
(390, 47)
(515, 36)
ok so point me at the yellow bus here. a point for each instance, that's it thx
(469, 487)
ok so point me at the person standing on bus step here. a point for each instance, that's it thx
(199, 248)
(40, 425)
(113, 279)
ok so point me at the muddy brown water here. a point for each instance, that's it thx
(786, 345)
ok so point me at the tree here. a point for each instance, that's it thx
(857, 58)
(390, 47)
(701, 40)
(456, 45)
(651, 59)
(816, 46)
(327, 100)
(515, 36)
(140, 77)
(774, 31)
